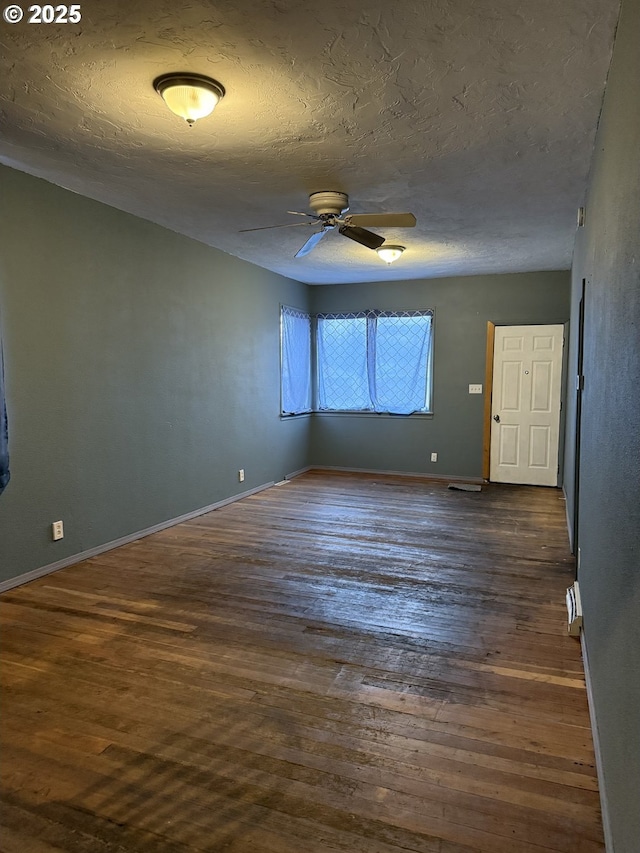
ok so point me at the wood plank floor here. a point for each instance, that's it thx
(339, 663)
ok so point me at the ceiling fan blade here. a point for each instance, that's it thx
(297, 213)
(266, 227)
(382, 220)
(311, 243)
(361, 235)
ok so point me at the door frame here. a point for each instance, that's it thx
(488, 385)
(574, 533)
(488, 391)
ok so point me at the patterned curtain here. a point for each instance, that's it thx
(295, 343)
(4, 431)
(377, 361)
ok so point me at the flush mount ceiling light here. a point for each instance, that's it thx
(389, 254)
(190, 96)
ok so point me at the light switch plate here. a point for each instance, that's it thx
(475, 389)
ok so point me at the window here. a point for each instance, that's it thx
(370, 361)
(378, 361)
(295, 355)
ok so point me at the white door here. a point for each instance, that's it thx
(525, 404)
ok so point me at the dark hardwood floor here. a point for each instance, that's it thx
(342, 662)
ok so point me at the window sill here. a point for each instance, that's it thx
(356, 414)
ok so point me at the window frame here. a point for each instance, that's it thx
(314, 409)
(427, 411)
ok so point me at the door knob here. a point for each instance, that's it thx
(496, 418)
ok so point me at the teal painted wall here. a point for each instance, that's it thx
(142, 371)
(463, 306)
(607, 255)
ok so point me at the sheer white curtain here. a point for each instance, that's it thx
(378, 361)
(399, 362)
(295, 349)
(341, 341)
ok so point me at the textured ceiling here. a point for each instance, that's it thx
(476, 115)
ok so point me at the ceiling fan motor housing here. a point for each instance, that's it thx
(329, 203)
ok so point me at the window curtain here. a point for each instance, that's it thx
(378, 361)
(399, 351)
(343, 382)
(295, 333)
(4, 430)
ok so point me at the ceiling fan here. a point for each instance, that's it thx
(330, 211)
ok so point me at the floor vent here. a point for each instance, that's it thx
(574, 609)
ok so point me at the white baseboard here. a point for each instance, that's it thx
(569, 521)
(606, 823)
(124, 540)
(298, 473)
(449, 478)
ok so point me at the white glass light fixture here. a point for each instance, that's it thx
(389, 254)
(190, 96)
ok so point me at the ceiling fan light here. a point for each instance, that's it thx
(389, 254)
(189, 96)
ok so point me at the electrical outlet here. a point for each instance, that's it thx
(434, 457)
(475, 389)
(57, 530)
(241, 475)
